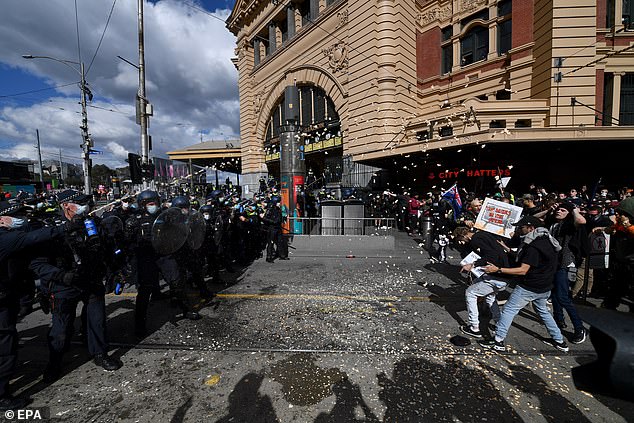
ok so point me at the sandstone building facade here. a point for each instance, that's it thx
(420, 87)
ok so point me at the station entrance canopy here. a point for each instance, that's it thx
(221, 155)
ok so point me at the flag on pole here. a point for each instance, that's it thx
(453, 196)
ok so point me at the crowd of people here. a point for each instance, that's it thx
(546, 259)
(76, 254)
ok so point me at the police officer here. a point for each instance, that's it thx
(14, 242)
(272, 220)
(145, 261)
(73, 273)
(189, 268)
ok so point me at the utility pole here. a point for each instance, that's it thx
(39, 156)
(61, 168)
(84, 133)
(142, 100)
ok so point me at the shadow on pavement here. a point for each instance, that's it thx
(246, 404)
(421, 390)
(553, 406)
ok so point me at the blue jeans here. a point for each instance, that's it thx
(486, 287)
(562, 300)
(518, 299)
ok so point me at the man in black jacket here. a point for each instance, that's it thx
(486, 246)
(14, 241)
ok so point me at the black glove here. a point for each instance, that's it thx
(70, 278)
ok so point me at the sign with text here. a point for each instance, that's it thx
(498, 217)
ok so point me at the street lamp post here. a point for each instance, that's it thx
(87, 141)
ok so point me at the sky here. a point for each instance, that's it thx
(190, 79)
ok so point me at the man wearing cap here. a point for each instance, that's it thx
(14, 242)
(75, 273)
(537, 258)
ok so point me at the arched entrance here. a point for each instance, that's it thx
(320, 132)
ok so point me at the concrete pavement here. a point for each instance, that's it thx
(318, 339)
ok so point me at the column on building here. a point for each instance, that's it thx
(272, 37)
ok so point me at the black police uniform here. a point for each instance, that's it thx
(13, 245)
(273, 222)
(74, 273)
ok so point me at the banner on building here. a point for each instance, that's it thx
(498, 217)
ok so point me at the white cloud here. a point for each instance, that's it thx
(191, 81)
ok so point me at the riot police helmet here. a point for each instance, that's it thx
(207, 208)
(180, 202)
(147, 196)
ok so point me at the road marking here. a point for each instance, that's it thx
(320, 297)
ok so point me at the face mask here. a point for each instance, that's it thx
(81, 210)
(125, 206)
(206, 216)
(151, 209)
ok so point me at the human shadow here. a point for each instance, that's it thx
(452, 298)
(348, 398)
(553, 406)
(619, 406)
(422, 390)
(179, 414)
(246, 404)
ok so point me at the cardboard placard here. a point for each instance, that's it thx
(497, 217)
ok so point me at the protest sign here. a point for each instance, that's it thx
(498, 217)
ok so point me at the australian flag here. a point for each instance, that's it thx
(453, 197)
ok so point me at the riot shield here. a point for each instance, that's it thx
(169, 231)
(197, 230)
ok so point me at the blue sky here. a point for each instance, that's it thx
(190, 80)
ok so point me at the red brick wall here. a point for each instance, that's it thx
(428, 53)
(601, 11)
(599, 94)
(522, 22)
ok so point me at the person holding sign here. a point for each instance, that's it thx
(537, 258)
(485, 248)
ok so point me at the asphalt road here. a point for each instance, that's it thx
(317, 339)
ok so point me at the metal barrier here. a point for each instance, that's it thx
(316, 226)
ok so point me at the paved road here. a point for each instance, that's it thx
(327, 339)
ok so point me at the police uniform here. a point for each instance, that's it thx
(75, 273)
(13, 246)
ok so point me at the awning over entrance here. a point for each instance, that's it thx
(221, 155)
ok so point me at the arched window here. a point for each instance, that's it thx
(474, 45)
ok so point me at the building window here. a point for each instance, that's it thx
(329, 2)
(626, 112)
(474, 46)
(304, 11)
(609, 14)
(482, 15)
(505, 7)
(505, 30)
(497, 124)
(628, 14)
(447, 58)
(445, 131)
(523, 123)
(283, 26)
(505, 27)
(504, 94)
(256, 52)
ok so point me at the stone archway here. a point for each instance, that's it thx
(305, 74)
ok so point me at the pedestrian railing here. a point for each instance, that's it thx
(342, 226)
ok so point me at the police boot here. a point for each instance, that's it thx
(139, 327)
(107, 363)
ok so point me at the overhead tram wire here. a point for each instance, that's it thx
(102, 35)
(36, 91)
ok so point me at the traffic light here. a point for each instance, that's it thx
(147, 171)
(134, 160)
